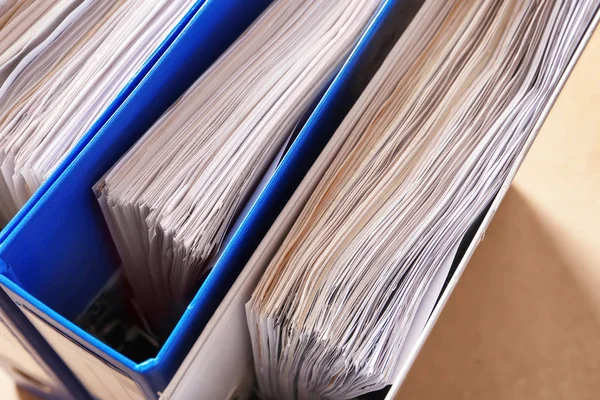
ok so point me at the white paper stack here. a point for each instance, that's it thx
(25, 24)
(171, 200)
(75, 56)
(424, 151)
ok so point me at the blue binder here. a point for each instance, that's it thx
(57, 254)
(63, 384)
(206, 30)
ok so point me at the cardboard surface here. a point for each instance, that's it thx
(524, 320)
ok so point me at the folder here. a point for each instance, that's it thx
(61, 236)
(29, 361)
(19, 333)
(223, 351)
(74, 256)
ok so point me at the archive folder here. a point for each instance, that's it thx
(74, 257)
(62, 238)
(226, 333)
(37, 38)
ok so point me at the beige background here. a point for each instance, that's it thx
(524, 321)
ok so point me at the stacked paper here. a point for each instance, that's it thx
(424, 151)
(75, 56)
(171, 200)
(25, 24)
